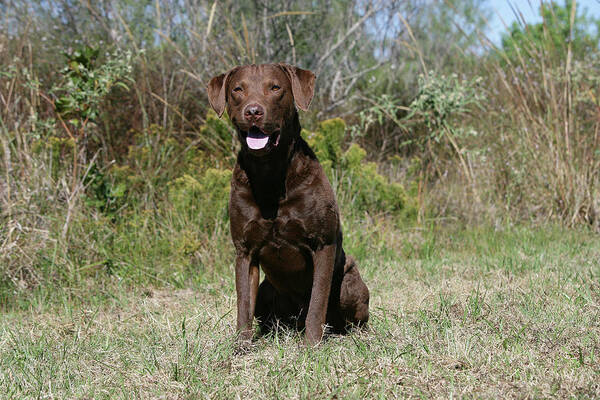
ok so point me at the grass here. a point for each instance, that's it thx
(455, 313)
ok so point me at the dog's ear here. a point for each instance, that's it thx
(303, 84)
(216, 89)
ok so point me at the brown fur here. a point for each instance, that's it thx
(283, 212)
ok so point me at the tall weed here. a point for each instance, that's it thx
(544, 124)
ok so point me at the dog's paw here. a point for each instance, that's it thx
(243, 347)
(244, 342)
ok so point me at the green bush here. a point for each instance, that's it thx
(217, 134)
(203, 200)
(327, 141)
(103, 193)
(355, 180)
(158, 163)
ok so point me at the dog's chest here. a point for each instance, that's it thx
(283, 231)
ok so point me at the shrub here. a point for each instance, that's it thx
(327, 141)
(217, 134)
(356, 181)
(202, 200)
(440, 101)
(103, 193)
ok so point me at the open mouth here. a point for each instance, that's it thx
(257, 139)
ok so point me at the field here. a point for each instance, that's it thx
(475, 313)
(467, 171)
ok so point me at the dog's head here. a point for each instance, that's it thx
(260, 102)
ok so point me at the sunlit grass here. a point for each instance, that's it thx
(463, 312)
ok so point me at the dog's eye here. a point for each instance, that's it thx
(238, 89)
(275, 88)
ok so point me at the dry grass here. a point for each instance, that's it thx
(480, 314)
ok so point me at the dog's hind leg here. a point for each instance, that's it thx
(354, 295)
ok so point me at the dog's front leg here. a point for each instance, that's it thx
(319, 298)
(246, 285)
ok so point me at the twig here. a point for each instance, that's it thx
(333, 48)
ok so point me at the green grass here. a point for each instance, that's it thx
(455, 313)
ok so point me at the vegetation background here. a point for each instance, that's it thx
(467, 172)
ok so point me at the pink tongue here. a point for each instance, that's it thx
(256, 143)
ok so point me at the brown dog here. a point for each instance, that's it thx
(283, 212)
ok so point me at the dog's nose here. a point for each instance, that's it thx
(253, 112)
